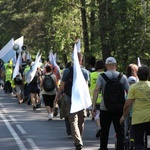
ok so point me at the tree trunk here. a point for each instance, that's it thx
(85, 32)
(92, 27)
(104, 28)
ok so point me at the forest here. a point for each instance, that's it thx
(119, 28)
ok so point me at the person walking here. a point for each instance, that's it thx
(139, 98)
(106, 114)
(76, 119)
(49, 96)
(99, 66)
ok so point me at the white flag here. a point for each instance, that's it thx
(14, 59)
(80, 92)
(28, 56)
(78, 45)
(37, 55)
(7, 52)
(50, 56)
(139, 62)
(16, 69)
(32, 72)
(19, 41)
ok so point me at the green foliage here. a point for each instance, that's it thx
(120, 28)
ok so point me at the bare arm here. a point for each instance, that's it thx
(95, 95)
(59, 92)
(126, 109)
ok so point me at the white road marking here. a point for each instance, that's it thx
(21, 129)
(5, 111)
(33, 145)
(12, 119)
(1, 105)
(111, 146)
(14, 134)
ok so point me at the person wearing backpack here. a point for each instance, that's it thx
(18, 82)
(76, 119)
(114, 85)
(49, 89)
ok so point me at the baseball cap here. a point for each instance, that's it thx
(110, 60)
(132, 79)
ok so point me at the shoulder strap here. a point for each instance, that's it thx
(119, 76)
(105, 77)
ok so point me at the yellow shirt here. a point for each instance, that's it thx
(93, 79)
(140, 92)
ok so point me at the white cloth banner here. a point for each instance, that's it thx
(7, 52)
(50, 56)
(78, 45)
(19, 41)
(32, 73)
(139, 62)
(16, 69)
(80, 92)
(37, 55)
(14, 60)
(28, 56)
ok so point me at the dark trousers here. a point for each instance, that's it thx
(7, 87)
(106, 118)
(68, 126)
(141, 131)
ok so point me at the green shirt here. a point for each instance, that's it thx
(140, 93)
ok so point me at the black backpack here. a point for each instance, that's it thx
(48, 83)
(18, 80)
(114, 94)
(69, 82)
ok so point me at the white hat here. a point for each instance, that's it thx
(110, 60)
(132, 79)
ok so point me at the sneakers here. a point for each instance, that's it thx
(50, 116)
(98, 133)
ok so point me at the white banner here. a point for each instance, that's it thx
(32, 72)
(16, 69)
(80, 92)
(7, 52)
(19, 41)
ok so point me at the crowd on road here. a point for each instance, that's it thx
(123, 99)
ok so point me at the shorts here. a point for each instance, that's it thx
(49, 100)
(34, 88)
(19, 89)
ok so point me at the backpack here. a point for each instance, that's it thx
(69, 82)
(114, 95)
(18, 79)
(48, 83)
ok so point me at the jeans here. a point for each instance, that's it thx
(106, 118)
(140, 132)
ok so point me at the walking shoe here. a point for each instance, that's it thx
(50, 116)
(98, 133)
(34, 108)
(55, 111)
(69, 136)
(78, 147)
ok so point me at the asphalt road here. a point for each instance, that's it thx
(21, 128)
